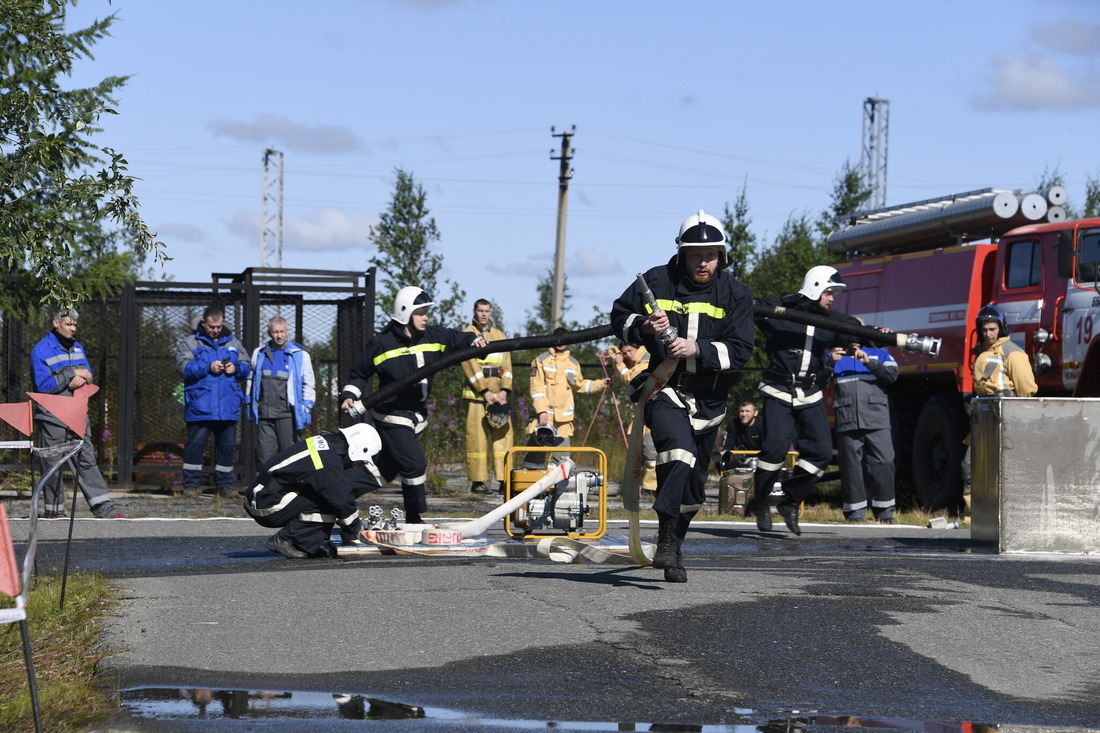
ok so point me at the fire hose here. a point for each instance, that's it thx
(911, 342)
(450, 358)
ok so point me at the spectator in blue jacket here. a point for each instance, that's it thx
(281, 391)
(864, 444)
(59, 366)
(213, 364)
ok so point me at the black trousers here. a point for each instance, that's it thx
(401, 455)
(306, 520)
(807, 430)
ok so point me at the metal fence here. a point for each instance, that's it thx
(137, 417)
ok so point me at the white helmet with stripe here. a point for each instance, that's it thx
(819, 279)
(703, 230)
(409, 299)
(363, 441)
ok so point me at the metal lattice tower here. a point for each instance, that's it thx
(271, 229)
(872, 159)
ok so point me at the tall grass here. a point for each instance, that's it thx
(66, 651)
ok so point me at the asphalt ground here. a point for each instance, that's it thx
(885, 626)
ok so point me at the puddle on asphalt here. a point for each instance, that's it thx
(170, 703)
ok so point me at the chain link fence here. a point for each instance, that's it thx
(137, 417)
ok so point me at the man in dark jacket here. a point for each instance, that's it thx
(213, 364)
(744, 432)
(711, 314)
(305, 491)
(405, 345)
(791, 390)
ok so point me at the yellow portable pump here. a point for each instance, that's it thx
(561, 510)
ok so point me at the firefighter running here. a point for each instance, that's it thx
(791, 390)
(712, 315)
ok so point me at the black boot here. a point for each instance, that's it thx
(789, 512)
(763, 514)
(677, 574)
(665, 557)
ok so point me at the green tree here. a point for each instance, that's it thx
(778, 269)
(850, 193)
(69, 225)
(538, 321)
(404, 236)
(1092, 197)
(742, 242)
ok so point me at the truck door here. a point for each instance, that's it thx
(1080, 317)
(1021, 287)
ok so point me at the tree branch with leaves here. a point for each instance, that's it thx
(69, 222)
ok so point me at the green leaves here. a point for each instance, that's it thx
(404, 236)
(69, 221)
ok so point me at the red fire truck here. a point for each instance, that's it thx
(922, 268)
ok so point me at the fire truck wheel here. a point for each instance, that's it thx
(938, 452)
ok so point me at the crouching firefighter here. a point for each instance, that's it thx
(304, 490)
(701, 321)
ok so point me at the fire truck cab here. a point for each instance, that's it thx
(1043, 275)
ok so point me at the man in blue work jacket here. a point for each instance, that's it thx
(213, 364)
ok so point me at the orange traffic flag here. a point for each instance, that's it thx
(9, 573)
(18, 415)
(73, 411)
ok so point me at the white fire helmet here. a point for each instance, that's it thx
(409, 299)
(363, 442)
(819, 279)
(703, 230)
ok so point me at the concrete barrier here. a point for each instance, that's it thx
(1036, 474)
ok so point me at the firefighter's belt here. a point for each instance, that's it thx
(490, 372)
(706, 382)
(784, 379)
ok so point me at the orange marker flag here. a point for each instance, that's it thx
(73, 411)
(18, 415)
(9, 573)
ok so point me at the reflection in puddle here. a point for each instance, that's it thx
(163, 703)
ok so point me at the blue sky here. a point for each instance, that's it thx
(676, 107)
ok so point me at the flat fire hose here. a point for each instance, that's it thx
(632, 471)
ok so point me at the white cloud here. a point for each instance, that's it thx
(324, 229)
(535, 266)
(180, 231)
(588, 262)
(1069, 36)
(1036, 82)
(582, 263)
(286, 133)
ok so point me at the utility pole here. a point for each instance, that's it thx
(271, 228)
(564, 174)
(872, 159)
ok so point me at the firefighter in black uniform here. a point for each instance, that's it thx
(305, 490)
(791, 390)
(407, 344)
(712, 315)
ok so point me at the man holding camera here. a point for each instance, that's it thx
(214, 365)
